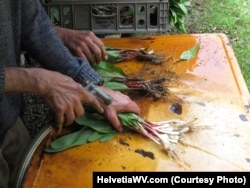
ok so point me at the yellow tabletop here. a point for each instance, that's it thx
(209, 87)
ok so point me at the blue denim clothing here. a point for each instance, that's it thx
(25, 26)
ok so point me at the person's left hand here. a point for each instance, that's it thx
(120, 103)
(84, 44)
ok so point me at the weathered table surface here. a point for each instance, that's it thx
(210, 87)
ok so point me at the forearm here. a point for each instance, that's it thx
(20, 80)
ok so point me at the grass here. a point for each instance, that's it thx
(224, 16)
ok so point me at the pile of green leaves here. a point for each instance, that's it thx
(94, 127)
(111, 75)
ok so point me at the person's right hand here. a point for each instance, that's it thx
(65, 97)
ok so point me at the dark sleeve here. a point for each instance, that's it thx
(40, 40)
(2, 81)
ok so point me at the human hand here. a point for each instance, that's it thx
(65, 97)
(83, 44)
(120, 103)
